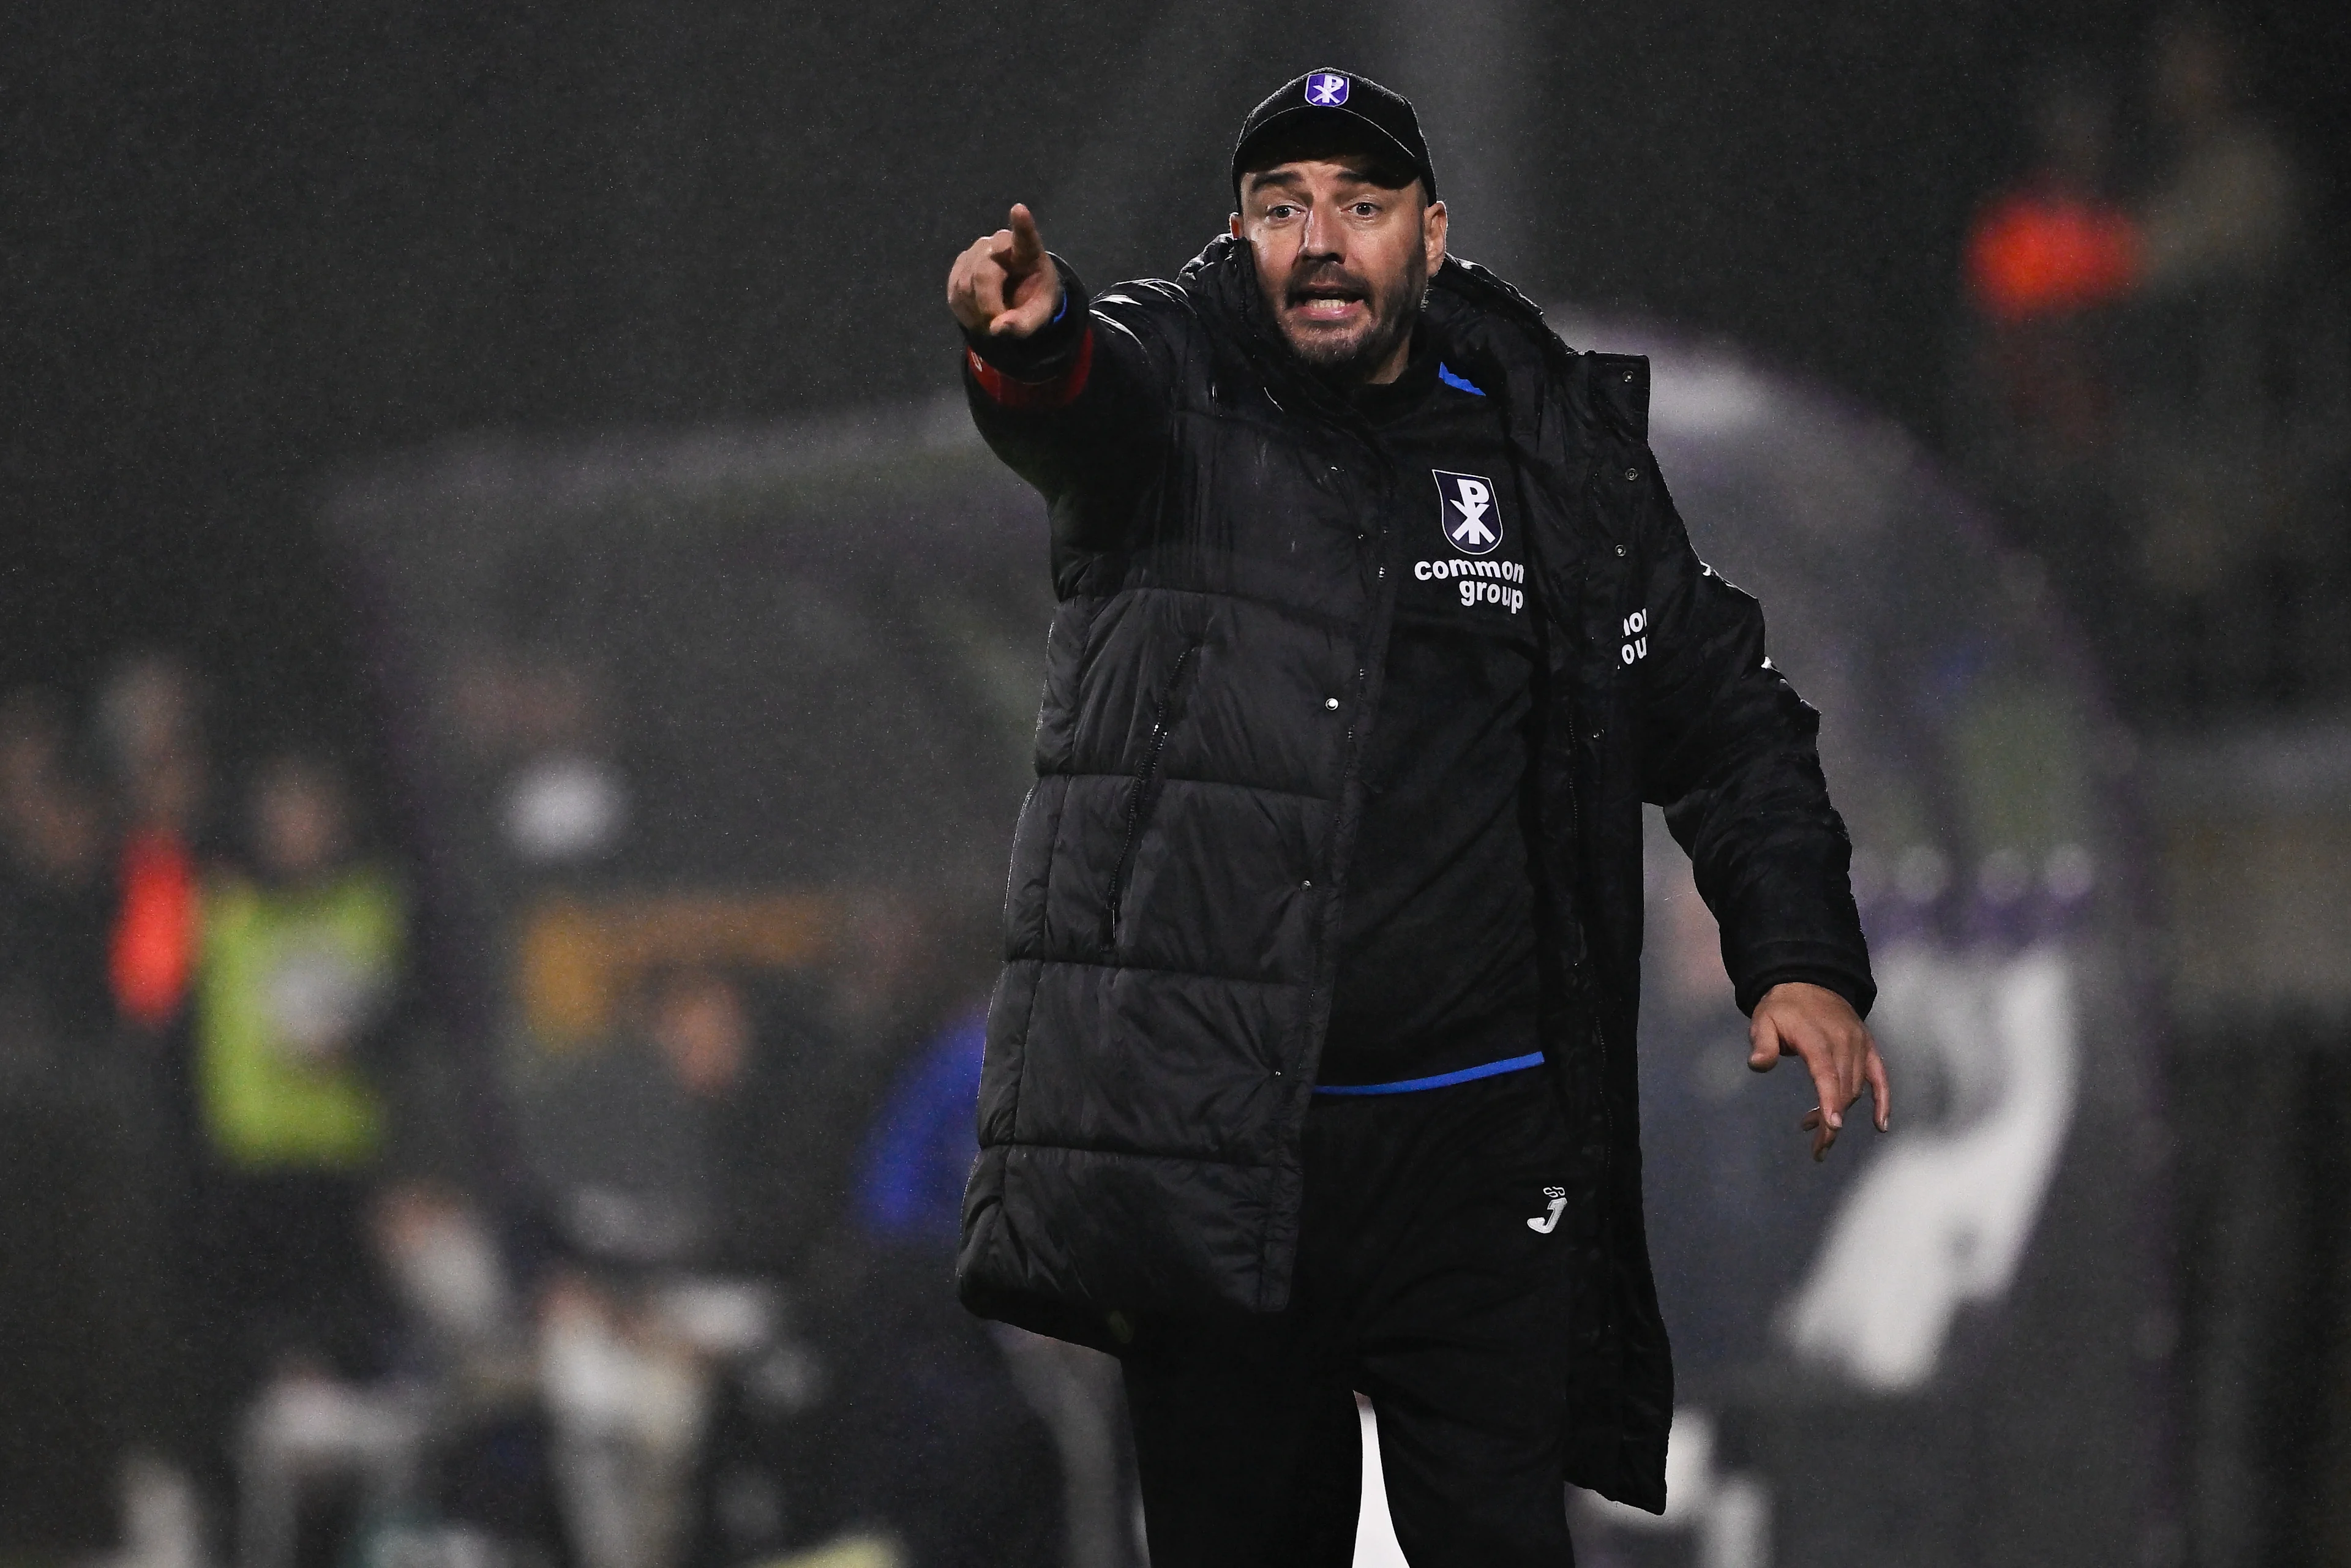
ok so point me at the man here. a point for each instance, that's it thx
(1311, 1070)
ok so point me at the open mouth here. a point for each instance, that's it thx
(1325, 302)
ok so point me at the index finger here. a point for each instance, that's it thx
(1027, 247)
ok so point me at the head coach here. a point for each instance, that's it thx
(1311, 1070)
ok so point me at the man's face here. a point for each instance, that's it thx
(1343, 261)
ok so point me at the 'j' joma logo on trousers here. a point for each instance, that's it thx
(1546, 1222)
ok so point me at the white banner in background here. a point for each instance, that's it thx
(1941, 1217)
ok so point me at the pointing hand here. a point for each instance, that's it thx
(1004, 283)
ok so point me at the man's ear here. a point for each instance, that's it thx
(1234, 223)
(1433, 225)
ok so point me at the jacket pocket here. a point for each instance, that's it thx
(1143, 791)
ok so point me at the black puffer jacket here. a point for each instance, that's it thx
(1224, 551)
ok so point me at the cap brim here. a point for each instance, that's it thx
(1334, 114)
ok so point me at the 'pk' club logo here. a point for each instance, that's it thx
(1466, 512)
(1326, 90)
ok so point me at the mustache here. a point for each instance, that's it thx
(1324, 280)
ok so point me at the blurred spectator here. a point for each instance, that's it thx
(933, 1444)
(710, 1115)
(2047, 264)
(2229, 461)
(300, 971)
(53, 898)
(638, 1139)
(150, 727)
(2226, 205)
(2155, 394)
(910, 1185)
(301, 960)
(77, 1344)
(2059, 243)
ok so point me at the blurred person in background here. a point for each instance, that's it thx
(693, 1154)
(151, 731)
(2228, 468)
(147, 730)
(297, 1010)
(640, 1140)
(54, 897)
(2060, 243)
(2049, 263)
(668, 1169)
(918, 1439)
(80, 1355)
(864, 1419)
(2153, 389)
(147, 724)
(1310, 1070)
(2225, 205)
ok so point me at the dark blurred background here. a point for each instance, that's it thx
(2089, 254)
(246, 246)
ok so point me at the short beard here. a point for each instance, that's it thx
(1352, 364)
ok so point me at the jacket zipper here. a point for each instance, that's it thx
(1140, 795)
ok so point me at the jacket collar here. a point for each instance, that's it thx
(1473, 314)
(1222, 280)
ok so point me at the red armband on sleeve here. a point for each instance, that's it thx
(1058, 392)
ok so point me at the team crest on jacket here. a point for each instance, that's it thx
(1466, 511)
(1326, 90)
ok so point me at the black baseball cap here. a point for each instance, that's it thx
(1339, 101)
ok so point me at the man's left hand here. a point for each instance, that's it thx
(1816, 1023)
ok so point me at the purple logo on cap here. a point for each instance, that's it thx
(1326, 90)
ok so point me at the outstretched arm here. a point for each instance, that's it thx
(1730, 752)
(1073, 398)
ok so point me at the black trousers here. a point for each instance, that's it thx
(1422, 1283)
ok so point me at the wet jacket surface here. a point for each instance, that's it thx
(1225, 555)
